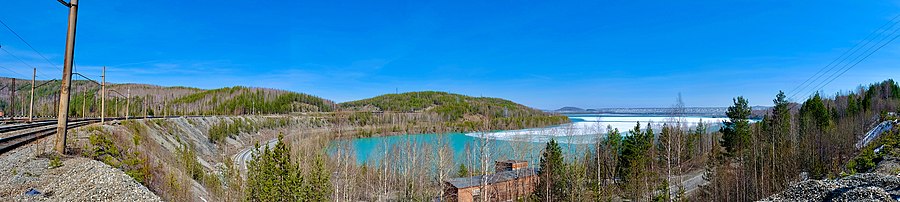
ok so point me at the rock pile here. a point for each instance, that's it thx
(858, 187)
(26, 177)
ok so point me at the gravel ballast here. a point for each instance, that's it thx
(78, 179)
(858, 187)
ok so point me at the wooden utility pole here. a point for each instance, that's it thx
(127, 103)
(31, 103)
(83, 101)
(103, 96)
(63, 115)
(12, 99)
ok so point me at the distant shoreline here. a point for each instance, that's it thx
(716, 112)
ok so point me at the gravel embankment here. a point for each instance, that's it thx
(78, 179)
(858, 187)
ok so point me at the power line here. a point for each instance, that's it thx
(44, 75)
(858, 59)
(868, 39)
(17, 58)
(29, 44)
(10, 70)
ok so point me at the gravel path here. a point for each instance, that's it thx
(79, 179)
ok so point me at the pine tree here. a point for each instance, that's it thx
(815, 126)
(272, 176)
(319, 181)
(463, 171)
(635, 160)
(736, 132)
(780, 129)
(551, 185)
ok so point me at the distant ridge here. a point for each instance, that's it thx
(644, 110)
(565, 109)
(691, 111)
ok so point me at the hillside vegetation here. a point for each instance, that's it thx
(245, 100)
(148, 100)
(449, 105)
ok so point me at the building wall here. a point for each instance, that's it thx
(501, 191)
(509, 165)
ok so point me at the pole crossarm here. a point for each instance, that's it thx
(28, 86)
(117, 92)
(64, 3)
(85, 77)
(45, 83)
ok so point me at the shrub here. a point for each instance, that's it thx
(133, 163)
(55, 162)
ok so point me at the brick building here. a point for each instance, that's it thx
(511, 180)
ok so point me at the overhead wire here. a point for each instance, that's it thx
(850, 52)
(17, 58)
(29, 45)
(10, 70)
(49, 62)
(23, 62)
(859, 58)
(855, 61)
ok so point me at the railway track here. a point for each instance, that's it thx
(13, 141)
(39, 129)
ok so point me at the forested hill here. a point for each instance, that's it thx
(144, 99)
(246, 100)
(448, 105)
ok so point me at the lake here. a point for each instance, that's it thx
(525, 144)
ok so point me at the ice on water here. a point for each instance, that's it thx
(586, 128)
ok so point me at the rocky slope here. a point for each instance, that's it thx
(176, 157)
(858, 187)
(77, 179)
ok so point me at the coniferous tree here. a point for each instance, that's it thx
(551, 185)
(463, 171)
(736, 131)
(605, 164)
(815, 125)
(780, 143)
(272, 176)
(319, 181)
(634, 162)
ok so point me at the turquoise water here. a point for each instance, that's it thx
(464, 148)
(576, 138)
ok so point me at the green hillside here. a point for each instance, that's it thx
(448, 105)
(244, 100)
(144, 99)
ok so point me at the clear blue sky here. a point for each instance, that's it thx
(545, 54)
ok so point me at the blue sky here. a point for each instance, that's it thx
(545, 54)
